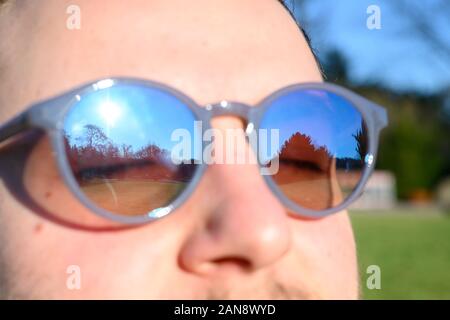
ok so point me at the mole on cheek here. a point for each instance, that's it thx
(38, 228)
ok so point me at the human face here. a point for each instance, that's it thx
(232, 238)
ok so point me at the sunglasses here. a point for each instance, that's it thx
(115, 140)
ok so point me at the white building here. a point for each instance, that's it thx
(379, 192)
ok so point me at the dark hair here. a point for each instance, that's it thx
(307, 38)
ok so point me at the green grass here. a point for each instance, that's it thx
(412, 250)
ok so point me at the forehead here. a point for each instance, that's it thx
(211, 50)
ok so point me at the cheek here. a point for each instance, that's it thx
(47, 190)
(39, 252)
(112, 264)
(328, 254)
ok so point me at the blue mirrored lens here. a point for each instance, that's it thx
(323, 144)
(120, 142)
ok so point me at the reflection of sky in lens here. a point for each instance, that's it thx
(130, 115)
(327, 118)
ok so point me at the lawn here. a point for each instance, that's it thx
(131, 196)
(411, 249)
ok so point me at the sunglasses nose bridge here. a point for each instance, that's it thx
(224, 108)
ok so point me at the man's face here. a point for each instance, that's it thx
(232, 238)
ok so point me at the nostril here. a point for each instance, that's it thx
(232, 262)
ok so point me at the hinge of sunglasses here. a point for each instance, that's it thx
(369, 159)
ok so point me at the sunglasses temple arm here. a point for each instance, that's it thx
(14, 127)
(380, 115)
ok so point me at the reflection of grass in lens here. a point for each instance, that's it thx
(308, 188)
(348, 180)
(131, 197)
(311, 194)
(316, 190)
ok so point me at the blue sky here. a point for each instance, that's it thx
(394, 55)
(332, 125)
(131, 115)
(138, 116)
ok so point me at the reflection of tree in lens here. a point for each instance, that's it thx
(312, 177)
(121, 179)
(304, 172)
(361, 140)
(349, 170)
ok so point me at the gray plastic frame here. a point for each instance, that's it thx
(49, 115)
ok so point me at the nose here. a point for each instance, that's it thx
(241, 223)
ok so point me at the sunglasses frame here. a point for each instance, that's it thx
(50, 115)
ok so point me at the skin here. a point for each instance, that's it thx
(231, 239)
